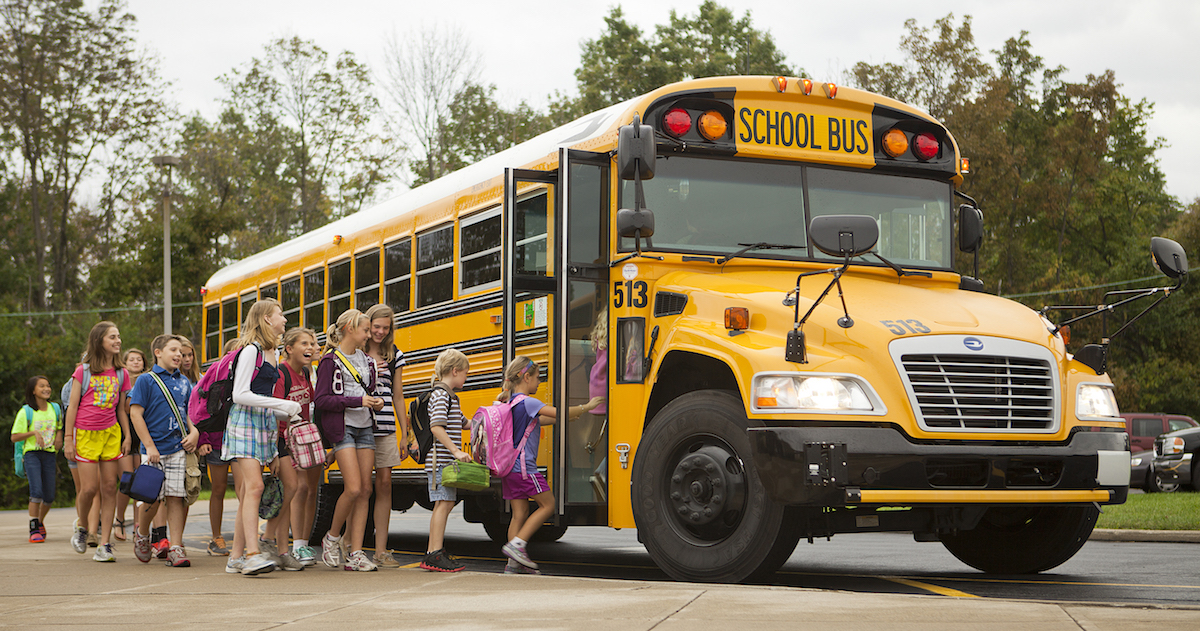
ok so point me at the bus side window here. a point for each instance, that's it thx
(289, 299)
(397, 275)
(366, 279)
(212, 332)
(314, 300)
(229, 321)
(435, 266)
(631, 336)
(339, 289)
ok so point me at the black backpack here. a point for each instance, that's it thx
(418, 417)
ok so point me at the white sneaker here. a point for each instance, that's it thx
(519, 555)
(104, 554)
(257, 564)
(358, 562)
(79, 539)
(234, 566)
(331, 550)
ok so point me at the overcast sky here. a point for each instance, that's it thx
(530, 48)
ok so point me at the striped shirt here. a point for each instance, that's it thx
(444, 411)
(385, 419)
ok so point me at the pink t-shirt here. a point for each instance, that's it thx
(99, 399)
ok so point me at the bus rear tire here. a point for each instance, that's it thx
(327, 497)
(699, 505)
(1023, 539)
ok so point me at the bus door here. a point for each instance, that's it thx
(582, 351)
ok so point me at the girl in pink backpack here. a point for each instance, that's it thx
(521, 380)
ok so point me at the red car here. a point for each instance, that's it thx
(1144, 427)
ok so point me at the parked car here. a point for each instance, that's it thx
(1139, 464)
(1144, 427)
(1174, 456)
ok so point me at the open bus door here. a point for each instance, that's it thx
(555, 254)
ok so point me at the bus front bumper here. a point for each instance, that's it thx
(840, 466)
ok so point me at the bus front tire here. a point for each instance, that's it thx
(1023, 540)
(699, 505)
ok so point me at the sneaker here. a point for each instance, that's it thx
(104, 554)
(331, 550)
(439, 561)
(512, 567)
(141, 547)
(42, 529)
(384, 558)
(288, 562)
(161, 548)
(358, 562)
(256, 564)
(93, 539)
(218, 548)
(234, 566)
(176, 557)
(268, 546)
(36, 537)
(306, 556)
(79, 539)
(518, 555)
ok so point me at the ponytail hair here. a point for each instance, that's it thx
(350, 318)
(516, 370)
(448, 360)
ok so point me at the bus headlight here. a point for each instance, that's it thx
(1095, 399)
(820, 393)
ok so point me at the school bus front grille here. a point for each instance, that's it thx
(981, 392)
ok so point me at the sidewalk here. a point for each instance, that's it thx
(48, 586)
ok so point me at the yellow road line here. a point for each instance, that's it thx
(411, 565)
(937, 589)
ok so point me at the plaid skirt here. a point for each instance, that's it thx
(250, 433)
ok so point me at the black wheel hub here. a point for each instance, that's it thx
(707, 491)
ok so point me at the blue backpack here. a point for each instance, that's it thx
(19, 446)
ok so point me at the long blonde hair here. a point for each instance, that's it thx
(193, 372)
(255, 328)
(599, 334)
(447, 361)
(387, 348)
(516, 370)
(350, 318)
(95, 356)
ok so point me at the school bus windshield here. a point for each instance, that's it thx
(709, 206)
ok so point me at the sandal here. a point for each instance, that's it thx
(119, 528)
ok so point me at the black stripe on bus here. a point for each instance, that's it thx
(476, 346)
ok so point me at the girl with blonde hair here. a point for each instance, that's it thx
(97, 432)
(446, 422)
(250, 433)
(345, 395)
(389, 386)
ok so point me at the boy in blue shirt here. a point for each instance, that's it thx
(164, 445)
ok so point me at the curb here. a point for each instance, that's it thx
(1156, 536)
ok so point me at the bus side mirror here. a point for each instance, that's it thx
(844, 235)
(1169, 258)
(635, 151)
(970, 228)
(635, 223)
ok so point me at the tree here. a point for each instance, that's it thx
(623, 63)
(423, 73)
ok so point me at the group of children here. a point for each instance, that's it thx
(112, 411)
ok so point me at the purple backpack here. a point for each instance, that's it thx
(492, 437)
(208, 407)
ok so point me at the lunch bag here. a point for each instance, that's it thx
(470, 476)
(145, 483)
(304, 441)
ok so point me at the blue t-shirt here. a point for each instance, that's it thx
(160, 420)
(524, 413)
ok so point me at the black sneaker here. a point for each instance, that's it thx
(439, 561)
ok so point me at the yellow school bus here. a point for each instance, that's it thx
(758, 275)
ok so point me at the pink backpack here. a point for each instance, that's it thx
(492, 437)
(304, 441)
(208, 407)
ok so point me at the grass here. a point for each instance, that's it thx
(1154, 511)
(207, 493)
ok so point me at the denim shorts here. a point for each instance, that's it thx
(214, 458)
(437, 492)
(357, 438)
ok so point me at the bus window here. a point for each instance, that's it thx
(913, 214)
(435, 267)
(531, 222)
(479, 251)
(366, 280)
(588, 229)
(289, 299)
(339, 289)
(270, 290)
(314, 300)
(631, 335)
(248, 300)
(229, 321)
(212, 332)
(710, 206)
(397, 274)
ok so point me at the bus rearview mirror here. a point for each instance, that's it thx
(635, 151)
(970, 228)
(844, 235)
(1169, 257)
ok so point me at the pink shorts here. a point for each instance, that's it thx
(514, 487)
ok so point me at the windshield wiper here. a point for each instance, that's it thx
(746, 247)
(900, 271)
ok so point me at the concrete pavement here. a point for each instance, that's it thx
(48, 586)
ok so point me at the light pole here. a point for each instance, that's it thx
(168, 162)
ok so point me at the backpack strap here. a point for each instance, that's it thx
(350, 368)
(179, 420)
(533, 422)
(57, 414)
(28, 418)
(287, 381)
